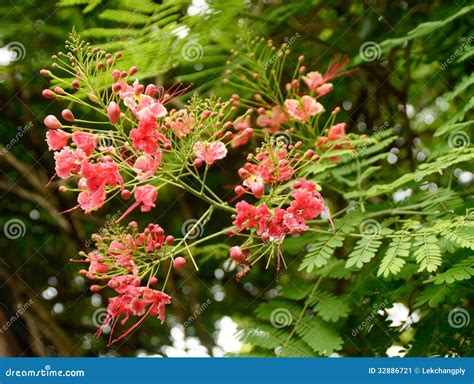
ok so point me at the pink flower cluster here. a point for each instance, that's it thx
(132, 300)
(271, 164)
(115, 261)
(307, 204)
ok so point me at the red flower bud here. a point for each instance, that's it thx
(179, 262)
(113, 112)
(48, 94)
(67, 115)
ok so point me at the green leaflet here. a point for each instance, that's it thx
(328, 306)
(363, 252)
(320, 252)
(394, 259)
(463, 270)
(428, 254)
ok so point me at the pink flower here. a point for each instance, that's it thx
(152, 237)
(146, 195)
(337, 132)
(68, 161)
(146, 136)
(244, 131)
(245, 216)
(181, 122)
(100, 174)
(113, 112)
(51, 122)
(98, 265)
(145, 166)
(133, 301)
(316, 82)
(90, 200)
(272, 120)
(122, 255)
(304, 108)
(256, 185)
(209, 152)
(85, 141)
(141, 104)
(56, 139)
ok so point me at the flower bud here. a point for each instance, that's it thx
(75, 84)
(67, 115)
(205, 114)
(95, 288)
(133, 69)
(179, 262)
(58, 90)
(153, 280)
(239, 190)
(113, 112)
(150, 90)
(48, 94)
(236, 254)
(44, 72)
(169, 240)
(125, 194)
(116, 87)
(51, 122)
(116, 74)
